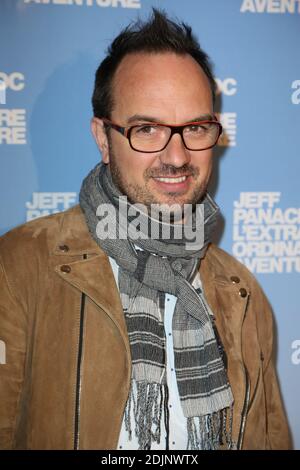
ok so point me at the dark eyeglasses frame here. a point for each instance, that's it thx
(126, 132)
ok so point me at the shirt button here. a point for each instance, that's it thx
(172, 370)
(65, 268)
(170, 406)
(170, 334)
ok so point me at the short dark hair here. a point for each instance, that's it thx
(158, 34)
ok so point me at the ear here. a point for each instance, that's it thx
(99, 133)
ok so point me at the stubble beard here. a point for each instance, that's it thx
(142, 195)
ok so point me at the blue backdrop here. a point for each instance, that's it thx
(50, 50)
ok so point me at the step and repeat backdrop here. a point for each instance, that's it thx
(49, 51)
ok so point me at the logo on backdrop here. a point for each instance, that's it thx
(12, 121)
(266, 237)
(14, 81)
(90, 3)
(295, 97)
(228, 137)
(48, 203)
(296, 353)
(270, 6)
(2, 91)
(227, 87)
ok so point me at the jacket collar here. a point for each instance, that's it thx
(80, 261)
(73, 239)
(92, 274)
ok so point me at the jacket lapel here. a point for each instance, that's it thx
(223, 294)
(80, 262)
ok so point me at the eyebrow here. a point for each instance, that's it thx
(144, 118)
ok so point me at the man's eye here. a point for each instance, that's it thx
(146, 129)
(197, 129)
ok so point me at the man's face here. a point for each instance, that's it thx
(166, 88)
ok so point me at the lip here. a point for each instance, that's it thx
(173, 187)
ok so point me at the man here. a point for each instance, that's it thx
(138, 341)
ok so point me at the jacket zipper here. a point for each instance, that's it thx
(78, 376)
(244, 411)
(246, 400)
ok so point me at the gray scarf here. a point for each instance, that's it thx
(164, 266)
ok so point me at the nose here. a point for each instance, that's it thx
(175, 153)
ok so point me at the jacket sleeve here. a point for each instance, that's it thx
(278, 434)
(12, 361)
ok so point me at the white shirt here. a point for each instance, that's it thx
(177, 420)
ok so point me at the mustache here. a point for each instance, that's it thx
(170, 170)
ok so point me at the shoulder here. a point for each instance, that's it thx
(30, 252)
(27, 249)
(36, 234)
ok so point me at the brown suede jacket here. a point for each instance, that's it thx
(67, 373)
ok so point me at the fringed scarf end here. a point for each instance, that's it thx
(210, 432)
(147, 401)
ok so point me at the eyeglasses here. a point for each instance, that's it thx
(152, 137)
